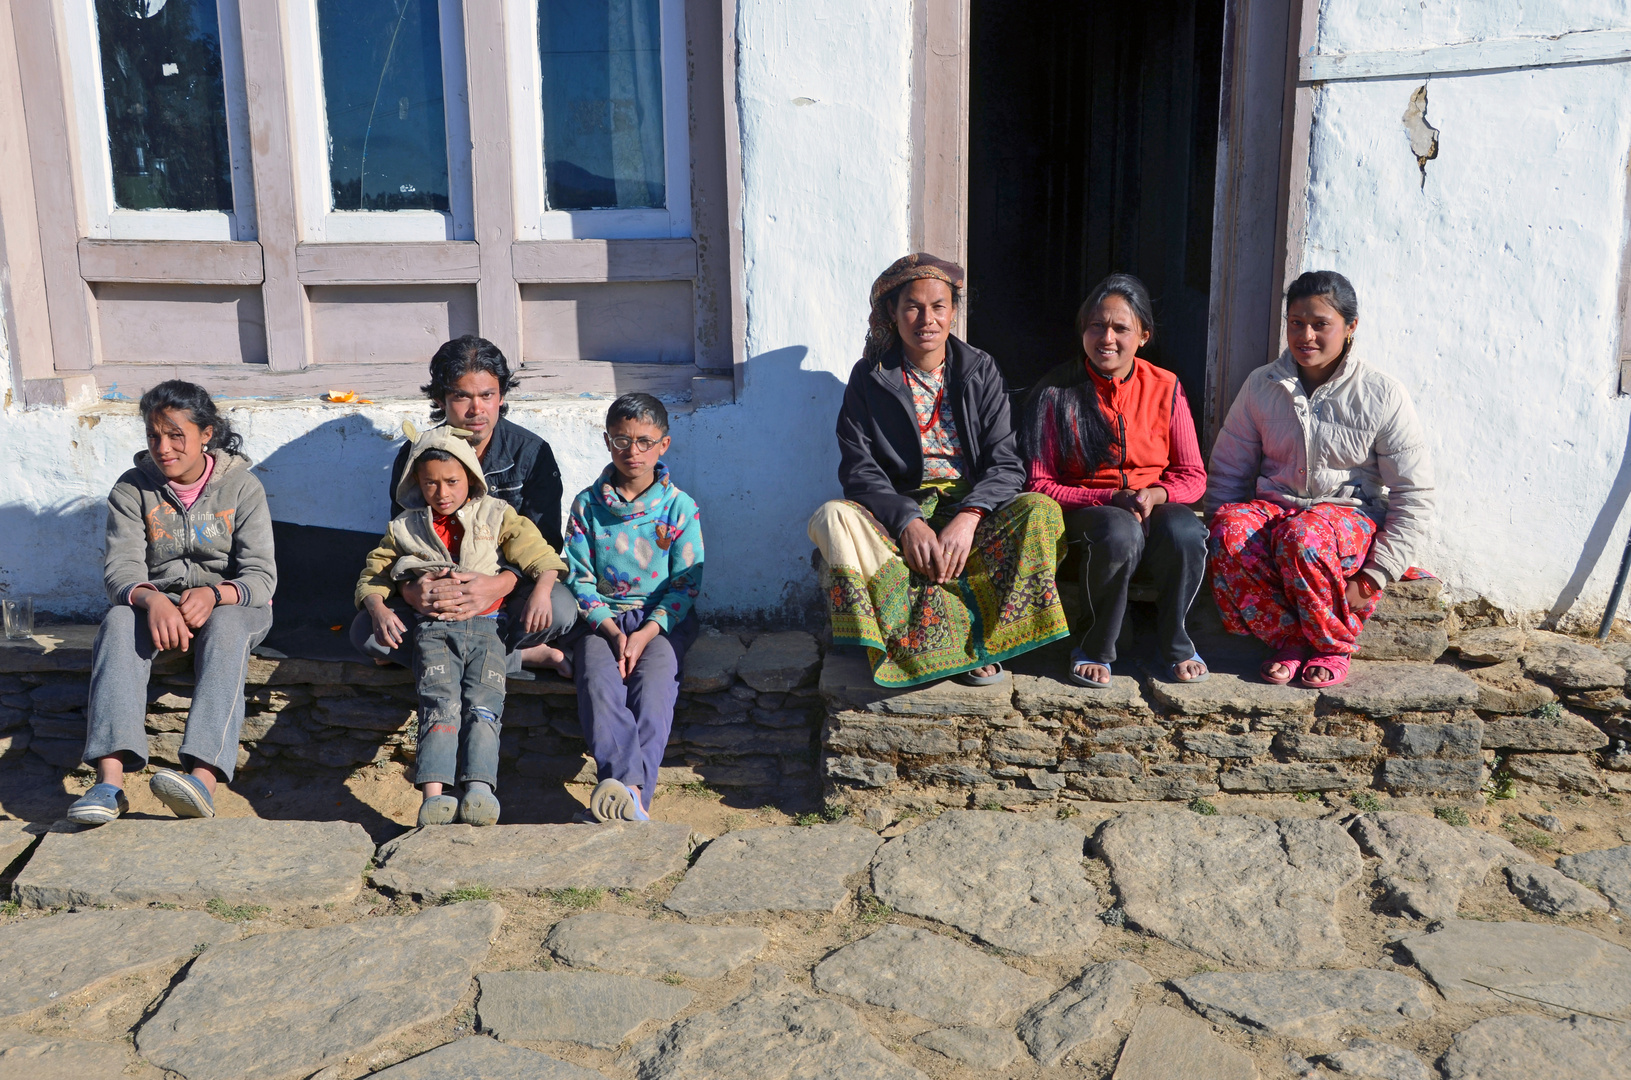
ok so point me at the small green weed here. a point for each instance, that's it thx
(162, 906)
(834, 812)
(1549, 711)
(1524, 836)
(467, 892)
(991, 804)
(1305, 796)
(1499, 785)
(1365, 802)
(235, 912)
(699, 789)
(674, 978)
(200, 947)
(9, 908)
(1202, 806)
(1066, 812)
(768, 808)
(872, 910)
(807, 820)
(575, 897)
(1452, 815)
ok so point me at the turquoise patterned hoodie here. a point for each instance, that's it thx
(644, 554)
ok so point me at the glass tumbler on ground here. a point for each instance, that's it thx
(19, 618)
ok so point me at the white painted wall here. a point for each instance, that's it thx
(1492, 289)
(825, 104)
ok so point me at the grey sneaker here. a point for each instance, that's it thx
(438, 810)
(183, 793)
(479, 807)
(98, 806)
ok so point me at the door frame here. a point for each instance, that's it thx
(1257, 226)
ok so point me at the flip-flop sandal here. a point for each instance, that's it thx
(1172, 670)
(1292, 656)
(1335, 663)
(438, 810)
(968, 678)
(1077, 659)
(184, 794)
(611, 801)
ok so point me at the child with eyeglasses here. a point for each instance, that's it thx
(634, 549)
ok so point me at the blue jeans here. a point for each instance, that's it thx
(460, 671)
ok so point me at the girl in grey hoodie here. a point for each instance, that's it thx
(189, 566)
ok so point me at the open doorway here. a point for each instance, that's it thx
(1093, 131)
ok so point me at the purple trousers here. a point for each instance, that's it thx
(627, 723)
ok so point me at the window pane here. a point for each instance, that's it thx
(167, 119)
(603, 103)
(382, 86)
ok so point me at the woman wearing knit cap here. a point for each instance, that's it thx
(936, 562)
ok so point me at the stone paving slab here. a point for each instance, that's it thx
(1226, 693)
(1609, 871)
(1531, 1047)
(585, 1007)
(977, 1047)
(1244, 890)
(1378, 1061)
(1473, 962)
(789, 868)
(1167, 1044)
(49, 1057)
(283, 1005)
(1545, 890)
(1316, 1005)
(1569, 663)
(630, 946)
(778, 1031)
(846, 683)
(434, 861)
(1426, 864)
(190, 862)
(1380, 688)
(1564, 733)
(65, 647)
(1492, 644)
(1011, 881)
(710, 663)
(479, 1058)
(934, 977)
(15, 838)
(776, 663)
(1083, 1012)
(46, 959)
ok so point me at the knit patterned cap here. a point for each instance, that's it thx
(881, 334)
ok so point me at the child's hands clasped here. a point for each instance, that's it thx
(539, 615)
(165, 621)
(627, 648)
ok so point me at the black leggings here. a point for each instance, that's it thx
(1113, 548)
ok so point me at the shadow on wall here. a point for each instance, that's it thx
(758, 471)
(32, 541)
(1596, 540)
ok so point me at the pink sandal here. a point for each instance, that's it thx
(1291, 656)
(1335, 663)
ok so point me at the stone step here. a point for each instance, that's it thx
(134, 862)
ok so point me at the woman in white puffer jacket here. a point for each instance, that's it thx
(1319, 491)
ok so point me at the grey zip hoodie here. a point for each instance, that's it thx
(226, 536)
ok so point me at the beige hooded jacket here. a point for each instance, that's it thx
(1355, 441)
(495, 536)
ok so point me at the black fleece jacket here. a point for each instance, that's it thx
(881, 451)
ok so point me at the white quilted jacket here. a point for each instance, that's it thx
(1354, 442)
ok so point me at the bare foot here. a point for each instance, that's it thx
(547, 657)
(1277, 671)
(985, 672)
(1190, 670)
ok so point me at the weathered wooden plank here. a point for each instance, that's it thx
(1581, 47)
(405, 263)
(537, 261)
(180, 262)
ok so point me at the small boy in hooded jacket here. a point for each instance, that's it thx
(634, 542)
(450, 521)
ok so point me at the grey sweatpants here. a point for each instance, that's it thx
(122, 661)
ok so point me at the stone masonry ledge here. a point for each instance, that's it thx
(1489, 718)
(747, 716)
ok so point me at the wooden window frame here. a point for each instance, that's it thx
(48, 249)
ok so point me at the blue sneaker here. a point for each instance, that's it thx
(98, 806)
(183, 793)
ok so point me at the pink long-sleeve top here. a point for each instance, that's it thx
(1153, 444)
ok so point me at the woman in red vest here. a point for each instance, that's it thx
(1110, 439)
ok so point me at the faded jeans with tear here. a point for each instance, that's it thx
(460, 672)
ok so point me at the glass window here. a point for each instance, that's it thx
(382, 87)
(166, 108)
(603, 104)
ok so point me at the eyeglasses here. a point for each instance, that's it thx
(623, 442)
